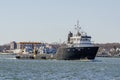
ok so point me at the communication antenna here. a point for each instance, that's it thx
(77, 27)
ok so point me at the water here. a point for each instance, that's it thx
(99, 69)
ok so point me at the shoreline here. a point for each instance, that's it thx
(53, 57)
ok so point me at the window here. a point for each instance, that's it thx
(68, 49)
(78, 49)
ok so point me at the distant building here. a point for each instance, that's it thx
(22, 45)
(13, 45)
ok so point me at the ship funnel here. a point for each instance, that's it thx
(70, 35)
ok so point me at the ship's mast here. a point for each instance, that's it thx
(77, 27)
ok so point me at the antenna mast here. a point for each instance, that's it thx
(77, 26)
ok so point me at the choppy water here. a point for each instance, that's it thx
(99, 69)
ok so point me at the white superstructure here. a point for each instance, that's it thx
(80, 39)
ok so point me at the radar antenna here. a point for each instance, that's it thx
(77, 27)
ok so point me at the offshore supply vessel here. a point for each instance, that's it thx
(79, 46)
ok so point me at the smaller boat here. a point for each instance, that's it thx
(42, 53)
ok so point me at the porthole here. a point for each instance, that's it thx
(68, 49)
(73, 49)
(78, 49)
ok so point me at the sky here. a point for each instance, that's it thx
(51, 20)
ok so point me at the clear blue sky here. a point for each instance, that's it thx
(51, 20)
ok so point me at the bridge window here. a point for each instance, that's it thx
(78, 39)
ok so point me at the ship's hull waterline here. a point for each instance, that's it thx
(76, 53)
